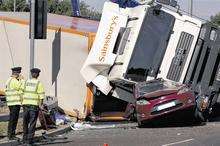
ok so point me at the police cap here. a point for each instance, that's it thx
(16, 69)
(35, 70)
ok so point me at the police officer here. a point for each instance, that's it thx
(13, 98)
(33, 95)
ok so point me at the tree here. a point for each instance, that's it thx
(88, 12)
(8, 5)
(60, 7)
(216, 19)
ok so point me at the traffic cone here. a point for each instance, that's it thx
(105, 144)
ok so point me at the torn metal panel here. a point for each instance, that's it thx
(123, 89)
(123, 95)
(89, 101)
(109, 116)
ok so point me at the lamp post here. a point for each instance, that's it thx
(14, 5)
(191, 8)
(32, 41)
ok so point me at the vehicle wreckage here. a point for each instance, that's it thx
(146, 44)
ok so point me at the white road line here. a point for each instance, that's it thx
(169, 144)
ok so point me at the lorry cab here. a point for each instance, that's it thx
(162, 48)
(140, 44)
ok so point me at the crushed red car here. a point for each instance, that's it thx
(158, 97)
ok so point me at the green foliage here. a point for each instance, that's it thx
(61, 8)
(216, 19)
(8, 5)
(86, 11)
(54, 6)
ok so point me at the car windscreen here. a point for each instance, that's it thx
(151, 45)
(151, 87)
(156, 85)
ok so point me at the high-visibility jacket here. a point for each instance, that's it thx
(13, 91)
(33, 92)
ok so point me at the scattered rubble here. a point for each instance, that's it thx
(85, 126)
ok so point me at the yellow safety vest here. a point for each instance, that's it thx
(13, 91)
(33, 92)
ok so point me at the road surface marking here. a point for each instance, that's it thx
(187, 140)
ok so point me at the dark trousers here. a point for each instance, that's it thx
(29, 122)
(13, 120)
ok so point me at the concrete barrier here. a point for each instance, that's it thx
(60, 57)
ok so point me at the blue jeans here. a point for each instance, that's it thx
(30, 116)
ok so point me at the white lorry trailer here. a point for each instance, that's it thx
(150, 41)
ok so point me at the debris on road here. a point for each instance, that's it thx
(51, 115)
(86, 126)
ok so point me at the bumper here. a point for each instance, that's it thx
(159, 108)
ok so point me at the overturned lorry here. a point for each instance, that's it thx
(151, 42)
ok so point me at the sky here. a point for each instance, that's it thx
(201, 8)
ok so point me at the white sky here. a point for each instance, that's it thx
(202, 8)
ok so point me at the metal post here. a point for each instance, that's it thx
(14, 5)
(32, 14)
(191, 8)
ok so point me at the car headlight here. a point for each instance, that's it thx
(142, 102)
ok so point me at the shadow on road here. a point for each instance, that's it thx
(52, 142)
(177, 119)
(182, 119)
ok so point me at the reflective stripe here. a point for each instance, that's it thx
(13, 103)
(9, 90)
(14, 95)
(31, 99)
(13, 100)
(32, 92)
(28, 95)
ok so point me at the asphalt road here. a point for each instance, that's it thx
(130, 135)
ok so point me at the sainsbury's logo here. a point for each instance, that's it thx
(108, 37)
